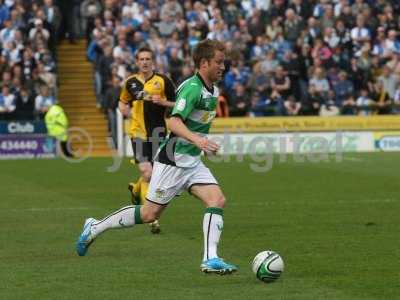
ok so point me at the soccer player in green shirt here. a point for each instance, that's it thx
(178, 166)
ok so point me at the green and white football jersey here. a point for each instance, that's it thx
(196, 106)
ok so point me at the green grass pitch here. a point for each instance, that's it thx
(336, 225)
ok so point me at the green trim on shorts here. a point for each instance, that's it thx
(138, 217)
(215, 210)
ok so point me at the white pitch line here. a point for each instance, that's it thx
(352, 158)
(44, 209)
(276, 202)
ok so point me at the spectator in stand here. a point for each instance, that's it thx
(167, 26)
(25, 104)
(392, 43)
(7, 33)
(4, 13)
(53, 17)
(269, 63)
(239, 102)
(292, 106)
(7, 102)
(123, 51)
(360, 33)
(344, 90)
(388, 81)
(382, 98)
(43, 101)
(313, 30)
(328, 107)
(175, 64)
(396, 101)
(259, 50)
(238, 73)
(39, 32)
(301, 8)
(280, 83)
(6, 78)
(70, 11)
(273, 29)
(48, 78)
(274, 104)
(171, 8)
(321, 52)
(259, 105)
(105, 61)
(89, 10)
(312, 104)
(364, 103)
(111, 104)
(259, 82)
(293, 25)
(320, 82)
(327, 20)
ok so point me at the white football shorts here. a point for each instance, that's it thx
(169, 181)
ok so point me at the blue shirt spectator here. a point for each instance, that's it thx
(344, 89)
(4, 13)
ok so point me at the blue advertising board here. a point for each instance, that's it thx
(27, 146)
(22, 127)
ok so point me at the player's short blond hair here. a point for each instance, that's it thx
(206, 50)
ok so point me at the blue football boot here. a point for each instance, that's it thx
(218, 266)
(85, 238)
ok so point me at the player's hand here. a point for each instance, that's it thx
(209, 147)
(125, 110)
(156, 99)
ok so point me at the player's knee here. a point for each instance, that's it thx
(219, 201)
(148, 215)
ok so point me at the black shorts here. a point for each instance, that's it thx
(144, 150)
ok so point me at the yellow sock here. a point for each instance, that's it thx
(138, 183)
(144, 186)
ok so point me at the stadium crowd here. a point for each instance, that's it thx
(293, 57)
(28, 37)
(285, 57)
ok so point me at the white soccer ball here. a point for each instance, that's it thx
(268, 266)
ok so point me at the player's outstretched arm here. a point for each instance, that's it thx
(179, 128)
(124, 108)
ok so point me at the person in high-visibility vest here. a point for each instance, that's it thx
(57, 126)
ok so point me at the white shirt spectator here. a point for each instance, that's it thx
(124, 53)
(43, 102)
(7, 103)
(131, 8)
(389, 84)
(357, 33)
(263, 4)
(7, 35)
(140, 14)
(318, 10)
(321, 84)
(362, 101)
(331, 38)
(9, 3)
(380, 49)
(397, 96)
(392, 45)
(171, 7)
(248, 7)
(338, 8)
(38, 28)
